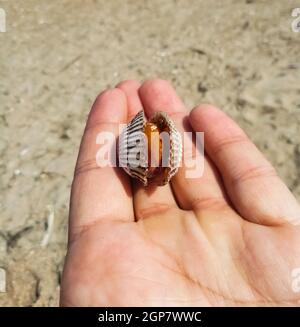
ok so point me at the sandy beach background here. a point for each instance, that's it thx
(56, 56)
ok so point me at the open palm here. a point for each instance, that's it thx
(229, 237)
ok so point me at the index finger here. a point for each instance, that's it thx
(100, 192)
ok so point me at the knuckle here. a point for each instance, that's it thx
(262, 171)
(225, 143)
(153, 210)
(213, 203)
(85, 166)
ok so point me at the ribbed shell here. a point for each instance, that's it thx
(128, 147)
(132, 143)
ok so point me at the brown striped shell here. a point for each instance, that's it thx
(134, 149)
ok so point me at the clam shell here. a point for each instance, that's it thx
(133, 148)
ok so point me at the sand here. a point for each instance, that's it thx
(56, 56)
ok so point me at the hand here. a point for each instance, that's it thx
(227, 238)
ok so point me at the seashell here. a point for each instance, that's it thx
(151, 150)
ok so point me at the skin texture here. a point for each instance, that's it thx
(229, 237)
